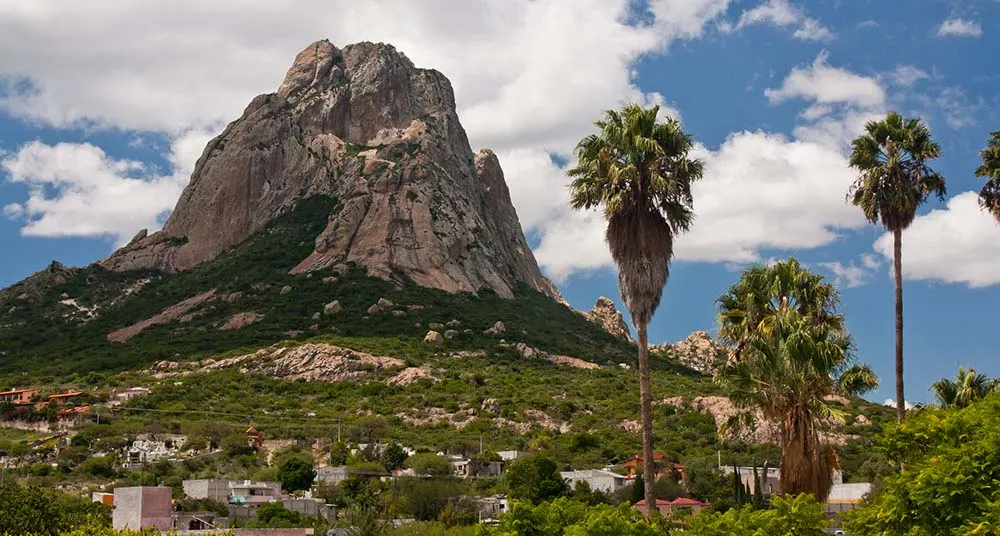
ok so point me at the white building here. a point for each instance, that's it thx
(845, 497)
(597, 479)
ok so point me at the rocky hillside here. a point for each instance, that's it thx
(363, 126)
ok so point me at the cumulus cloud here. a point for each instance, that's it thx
(75, 189)
(958, 27)
(516, 54)
(761, 191)
(892, 404)
(782, 14)
(955, 244)
(828, 85)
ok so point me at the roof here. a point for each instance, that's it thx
(679, 501)
(590, 473)
(67, 394)
(18, 391)
(848, 493)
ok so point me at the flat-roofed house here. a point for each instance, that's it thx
(18, 397)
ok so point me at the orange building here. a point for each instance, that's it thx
(633, 465)
(62, 399)
(18, 397)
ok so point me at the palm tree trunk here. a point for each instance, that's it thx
(897, 261)
(648, 463)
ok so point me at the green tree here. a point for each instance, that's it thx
(791, 352)
(951, 485)
(275, 515)
(535, 478)
(564, 517)
(638, 170)
(339, 453)
(43, 512)
(989, 196)
(428, 463)
(891, 157)
(296, 474)
(967, 387)
(393, 457)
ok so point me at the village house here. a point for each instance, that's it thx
(680, 506)
(633, 465)
(63, 399)
(131, 392)
(330, 475)
(19, 397)
(844, 497)
(596, 479)
(255, 438)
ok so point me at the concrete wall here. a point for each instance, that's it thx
(140, 507)
(217, 490)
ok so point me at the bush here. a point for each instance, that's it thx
(951, 485)
(427, 463)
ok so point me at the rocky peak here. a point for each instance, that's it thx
(364, 126)
(699, 351)
(605, 314)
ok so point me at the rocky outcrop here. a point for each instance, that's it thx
(699, 351)
(606, 315)
(364, 126)
(36, 284)
(310, 362)
(174, 312)
(241, 320)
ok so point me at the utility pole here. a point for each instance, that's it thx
(338, 429)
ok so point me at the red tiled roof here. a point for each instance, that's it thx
(684, 501)
(680, 501)
(66, 394)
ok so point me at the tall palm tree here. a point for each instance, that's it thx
(989, 196)
(791, 351)
(894, 180)
(639, 171)
(967, 387)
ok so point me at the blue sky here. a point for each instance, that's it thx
(98, 135)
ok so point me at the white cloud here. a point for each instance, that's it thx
(854, 274)
(867, 24)
(955, 244)
(761, 191)
(13, 211)
(78, 190)
(892, 403)
(907, 75)
(516, 54)
(958, 27)
(958, 109)
(782, 14)
(828, 85)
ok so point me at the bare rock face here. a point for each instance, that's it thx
(366, 127)
(699, 351)
(310, 362)
(606, 315)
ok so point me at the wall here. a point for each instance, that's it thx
(140, 507)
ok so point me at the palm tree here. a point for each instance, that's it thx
(791, 351)
(638, 169)
(989, 196)
(894, 180)
(968, 387)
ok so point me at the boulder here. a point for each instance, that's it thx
(433, 337)
(332, 308)
(496, 329)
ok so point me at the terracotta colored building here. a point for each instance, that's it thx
(678, 506)
(19, 397)
(634, 464)
(62, 399)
